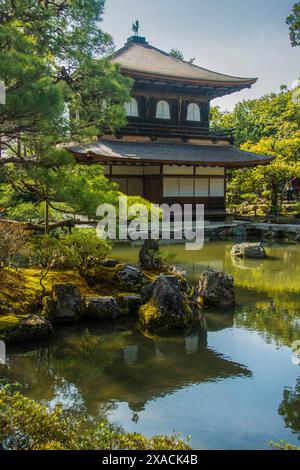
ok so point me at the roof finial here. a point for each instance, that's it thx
(136, 27)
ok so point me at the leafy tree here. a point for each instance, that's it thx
(274, 115)
(293, 21)
(269, 178)
(268, 126)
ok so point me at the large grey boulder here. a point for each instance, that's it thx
(25, 328)
(249, 250)
(216, 289)
(65, 305)
(166, 307)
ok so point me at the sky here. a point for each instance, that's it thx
(235, 37)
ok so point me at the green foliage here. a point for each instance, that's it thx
(53, 52)
(283, 445)
(266, 126)
(272, 116)
(13, 237)
(83, 250)
(293, 21)
(68, 189)
(53, 55)
(151, 208)
(177, 54)
(28, 425)
(46, 250)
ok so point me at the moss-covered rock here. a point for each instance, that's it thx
(216, 289)
(66, 304)
(23, 328)
(166, 307)
(249, 250)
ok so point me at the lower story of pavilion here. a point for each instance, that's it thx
(173, 184)
(170, 173)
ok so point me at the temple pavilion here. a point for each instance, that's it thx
(167, 152)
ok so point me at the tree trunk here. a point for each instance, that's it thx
(46, 218)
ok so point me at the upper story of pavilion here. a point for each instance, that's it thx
(171, 97)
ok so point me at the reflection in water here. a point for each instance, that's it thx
(289, 408)
(232, 375)
(92, 366)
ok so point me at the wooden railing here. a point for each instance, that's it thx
(154, 130)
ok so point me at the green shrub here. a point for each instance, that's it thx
(28, 425)
(83, 250)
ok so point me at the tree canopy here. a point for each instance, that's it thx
(268, 126)
(293, 20)
(60, 88)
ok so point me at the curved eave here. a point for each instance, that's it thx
(167, 153)
(235, 83)
(90, 158)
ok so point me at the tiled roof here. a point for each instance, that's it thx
(141, 57)
(158, 152)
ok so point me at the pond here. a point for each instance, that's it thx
(234, 386)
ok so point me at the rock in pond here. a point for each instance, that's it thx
(24, 328)
(110, 308)
(103, 308)
(216, 289)
(130, 277)
(166, 307)
(65, 305)
(249, 250)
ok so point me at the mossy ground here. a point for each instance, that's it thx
(20, 290)
(9, 322)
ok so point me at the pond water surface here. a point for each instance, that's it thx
(234, 386)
